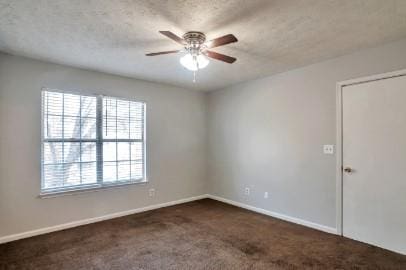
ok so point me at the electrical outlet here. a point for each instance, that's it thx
(151, 192)
(328, 149)
(247, 191)
(266, 195)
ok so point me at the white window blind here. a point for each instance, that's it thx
(91, 141)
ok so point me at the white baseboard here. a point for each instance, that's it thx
(277, 215)
(13, 237)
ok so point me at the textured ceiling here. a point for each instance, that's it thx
(274, 35)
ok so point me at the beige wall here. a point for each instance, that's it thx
(176, 135)
(267, 134)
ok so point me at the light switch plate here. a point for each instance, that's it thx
(328, 149)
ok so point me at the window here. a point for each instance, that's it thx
(91, 141)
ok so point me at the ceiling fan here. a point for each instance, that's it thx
(197, 49)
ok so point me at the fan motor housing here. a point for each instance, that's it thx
(194, 38)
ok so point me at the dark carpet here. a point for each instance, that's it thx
(205, 234)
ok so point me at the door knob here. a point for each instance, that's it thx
(348, 170)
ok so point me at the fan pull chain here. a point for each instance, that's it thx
(197, 68)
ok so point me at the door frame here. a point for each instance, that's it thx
(339, 136)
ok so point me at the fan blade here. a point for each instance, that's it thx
(227, 39)
(221, 57)
(174, 37)
(159, 53)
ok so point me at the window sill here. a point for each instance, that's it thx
(92, 188)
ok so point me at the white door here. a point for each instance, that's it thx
(374, 148)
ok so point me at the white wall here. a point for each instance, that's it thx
(176, 134)
(268, 134)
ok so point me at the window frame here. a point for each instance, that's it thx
(99, 185)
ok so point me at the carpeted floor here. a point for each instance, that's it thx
(205, 234)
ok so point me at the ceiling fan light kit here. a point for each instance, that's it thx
(194, 62)
(196, 49)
